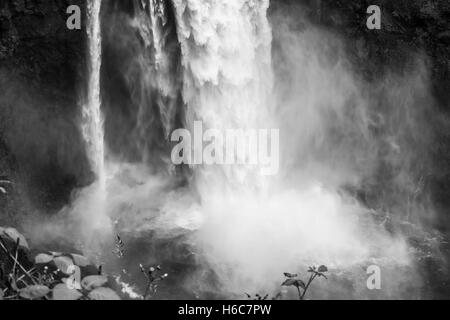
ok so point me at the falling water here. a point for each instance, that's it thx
(157, 14)
(226, 48)
(253, 230)
(92, 125)
(247, 235)
(150, 74)
(91, 206)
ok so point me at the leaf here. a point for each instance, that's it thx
(80, 260)
(72, 282)
(289, 282)
(62, 292)
(92, 282)
(290, 275)
(1, 294)
(322, 269)
(63, 263)
(14, 235)
(300, 284)
(43, 258)
(103, 294)
(294, 282)
(34, 292)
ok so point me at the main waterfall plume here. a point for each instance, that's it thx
(183, 61)
(226, 49)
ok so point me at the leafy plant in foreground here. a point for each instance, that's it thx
(292, 280)
(153, 280)
(51, 276)
(259, 297)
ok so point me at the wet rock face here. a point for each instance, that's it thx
(42, 67)
(419, 25)
(408, 28)
(36, 45)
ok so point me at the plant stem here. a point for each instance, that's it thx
(311, 279)
(147, 290)
(16, 256)
(299, 293)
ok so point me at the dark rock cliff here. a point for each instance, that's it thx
(36, 45)
(409, 29)
(42, 67)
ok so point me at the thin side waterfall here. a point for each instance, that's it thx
(92, 124)
(93, 211)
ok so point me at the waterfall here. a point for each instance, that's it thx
(157, 14)
(92, 123)
(91, 206)
(150, 72)
(184, 61)
(226, 55)
(253, 228)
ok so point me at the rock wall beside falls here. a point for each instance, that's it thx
(42, 71)
(36, 45)
(410, 30)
